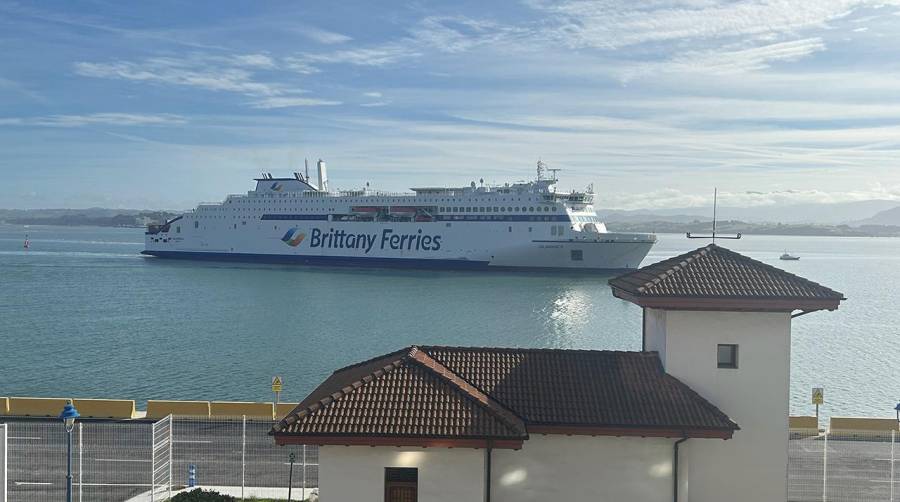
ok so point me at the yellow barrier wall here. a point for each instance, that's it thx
(161, 409)
(859, 424)
(237, 409)
(4, 406)
(105, 408)
(803, 423)
(36, 406)
(283, 409)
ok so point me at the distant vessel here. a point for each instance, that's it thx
(788, 256)
(27, 242)
(293, 220)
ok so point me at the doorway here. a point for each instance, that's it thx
(401, 484)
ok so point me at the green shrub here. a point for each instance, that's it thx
(199, 495)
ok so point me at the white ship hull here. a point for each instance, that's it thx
(461, 245)
(288, 220)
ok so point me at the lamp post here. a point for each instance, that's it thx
(68, 416)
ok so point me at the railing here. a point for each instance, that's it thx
(113, 461)
(846, 466)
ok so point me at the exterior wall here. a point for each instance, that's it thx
(753, 465)
(583, 469)
(356, 473)
(654, 332)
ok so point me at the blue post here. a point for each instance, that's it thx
(192, 476)
(68, 416)
(898, 411)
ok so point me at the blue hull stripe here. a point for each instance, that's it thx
(350, 261)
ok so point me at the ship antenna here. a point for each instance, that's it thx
(714, 233)
(306, 163)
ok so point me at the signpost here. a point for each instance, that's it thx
(277, 384)
(818, 397)
(292, 457)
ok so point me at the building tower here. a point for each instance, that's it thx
(721, 323)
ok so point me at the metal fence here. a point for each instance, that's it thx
(118, 461)
(839, 467)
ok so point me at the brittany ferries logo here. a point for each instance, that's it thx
(293, 237)
(277, 187)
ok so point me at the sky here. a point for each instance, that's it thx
(161, 105)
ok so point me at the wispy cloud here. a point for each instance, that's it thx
(323, 36)
(114, 119)
(290, 101)
(379, 55)
(612, 24)
(728, 59)
(180, 72)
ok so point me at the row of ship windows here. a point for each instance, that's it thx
(495, 209)
(370, 200)
(480, 209)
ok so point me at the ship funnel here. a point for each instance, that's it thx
(323, 176)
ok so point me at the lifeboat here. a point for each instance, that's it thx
(407, 211)
(365, 210)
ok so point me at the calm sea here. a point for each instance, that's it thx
(83, 314)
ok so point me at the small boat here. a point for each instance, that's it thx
(401, 211)
(366, 210)
(27, 243)
(788, 256)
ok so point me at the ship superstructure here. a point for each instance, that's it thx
(294, 220)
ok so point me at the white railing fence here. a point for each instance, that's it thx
(161, 460)
(117, 461)
(3, 457)
(843, 467)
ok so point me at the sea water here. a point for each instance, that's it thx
(83, 314)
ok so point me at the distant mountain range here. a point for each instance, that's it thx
(96, 216)
(850, 213)
(886, 217)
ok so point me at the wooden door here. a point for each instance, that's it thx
(399, 491)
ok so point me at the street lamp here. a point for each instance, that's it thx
(68, 416)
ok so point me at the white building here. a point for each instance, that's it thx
(511, 425)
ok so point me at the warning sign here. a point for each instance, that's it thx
(276, 384)
(818, 395)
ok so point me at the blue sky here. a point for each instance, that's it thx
(164, 104)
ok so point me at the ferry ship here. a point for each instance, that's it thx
(524, 225)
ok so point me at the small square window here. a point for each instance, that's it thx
(727, 356)
(577, 255)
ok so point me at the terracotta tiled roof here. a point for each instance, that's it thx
(402, 394)
(457, 392)
(718, 275)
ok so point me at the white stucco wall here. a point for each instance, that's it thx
(584, 469)
(547, 468)
(356, 473)
(753, 465)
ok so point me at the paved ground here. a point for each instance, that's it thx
(115, 458)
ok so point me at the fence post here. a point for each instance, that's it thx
(3, 461)
(243, 452)
(825, 469)
(80, 459)
(171, 445)
(153, 463)
(893, 439)
(304, 473)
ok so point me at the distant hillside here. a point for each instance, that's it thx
(97, 217)
(886, 217)
(734, 226)
(819, 214)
